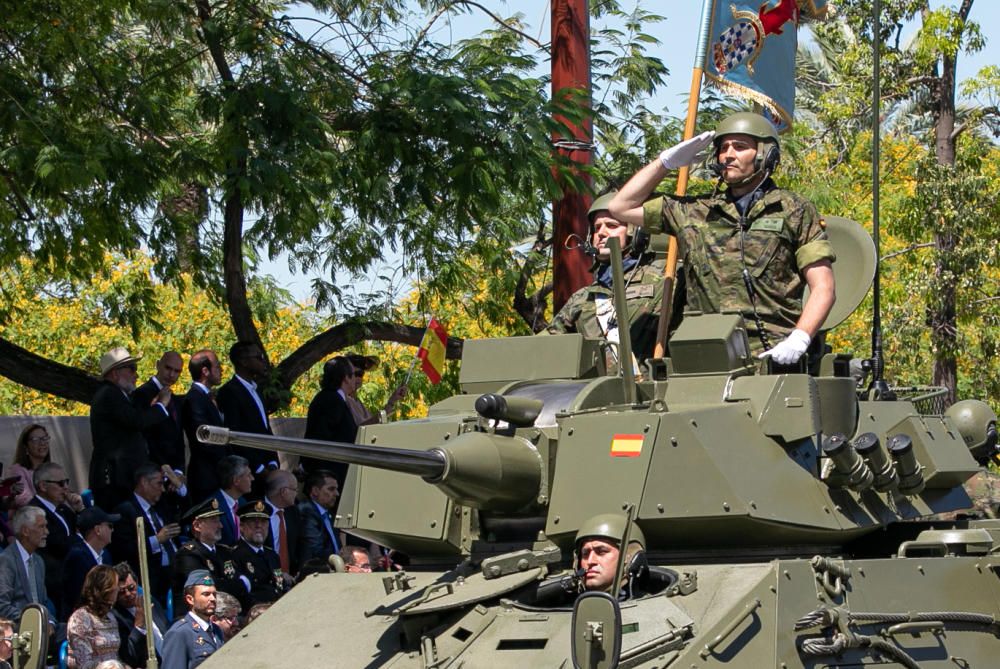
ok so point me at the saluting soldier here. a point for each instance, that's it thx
(190, 640)
(205, 552)
(257, 563)
(752, 248)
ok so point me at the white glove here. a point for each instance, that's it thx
(687, 151)
(790, 349)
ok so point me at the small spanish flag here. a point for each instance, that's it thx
(432, 351)
(626, 445)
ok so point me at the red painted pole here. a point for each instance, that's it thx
(570, 69)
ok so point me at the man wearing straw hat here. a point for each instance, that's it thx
(116, 428)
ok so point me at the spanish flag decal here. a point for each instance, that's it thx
(626, 445)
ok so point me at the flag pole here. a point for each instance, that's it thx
(670, 270)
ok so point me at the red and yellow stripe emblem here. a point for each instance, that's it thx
(626, 445)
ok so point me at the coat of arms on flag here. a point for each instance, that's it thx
(752, 53)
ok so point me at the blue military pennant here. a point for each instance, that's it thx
(751, 51)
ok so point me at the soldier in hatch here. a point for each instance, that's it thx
(590, 310)
(597, 549)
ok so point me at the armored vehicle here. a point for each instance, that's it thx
(785, 516)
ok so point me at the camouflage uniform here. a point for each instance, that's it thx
(784, 234)
(984, 490)
(644, 293)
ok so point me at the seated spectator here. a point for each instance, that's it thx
(257, 563)
(257, 610)
(60, 504)
(227, 614)
(237, 480)
(6, 647)
(32, 450)
(204, 552)
(318, 538)
(111, 664)
(22, 572)
(159, 526)
(95, 526)
(132, 627)
(284, 524)
(92, 630)
(356, 560)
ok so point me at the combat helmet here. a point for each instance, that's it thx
(758, 127)
(637, 240)
(609, 526)
(977, 423)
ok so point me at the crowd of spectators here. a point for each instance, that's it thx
(227, 531)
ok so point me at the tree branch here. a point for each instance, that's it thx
(347, 334)
(44, 375)
(907, 250)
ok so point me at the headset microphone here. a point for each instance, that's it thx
(717, 168)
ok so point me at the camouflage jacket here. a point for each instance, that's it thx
(784, 234)
(984, 491)
(644, 293)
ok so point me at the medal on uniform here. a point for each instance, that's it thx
(228, 569)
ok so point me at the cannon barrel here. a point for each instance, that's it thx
(484, 471)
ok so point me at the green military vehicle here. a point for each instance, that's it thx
(785, 517)
(781, 512)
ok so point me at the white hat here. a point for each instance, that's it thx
(115, 358)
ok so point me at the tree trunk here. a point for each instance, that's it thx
(944, 325)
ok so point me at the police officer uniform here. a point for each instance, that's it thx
(260, 565)
(190, 640)
(217, 561)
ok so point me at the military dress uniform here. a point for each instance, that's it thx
(260, 565)
(196, 555)
(643, 294)
(186, 644)
(190, 640)
(783, 234)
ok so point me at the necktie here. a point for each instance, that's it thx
(283, 542)
(329, 528)
(236, 520)
(167, 547)
(32, 588)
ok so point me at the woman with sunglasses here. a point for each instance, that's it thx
(32, 450)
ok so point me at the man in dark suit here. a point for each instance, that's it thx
(95, 527)
(116, 427)
(243, 408)
(22, 571)
(52, 491)
(132, 627)
(194, 637)
(284, 524)
(205, 552)
(255, 561)
(199, 409)
(159, 526)
(318, 540)
(329, 417)
(234, 472)
(165, 439)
